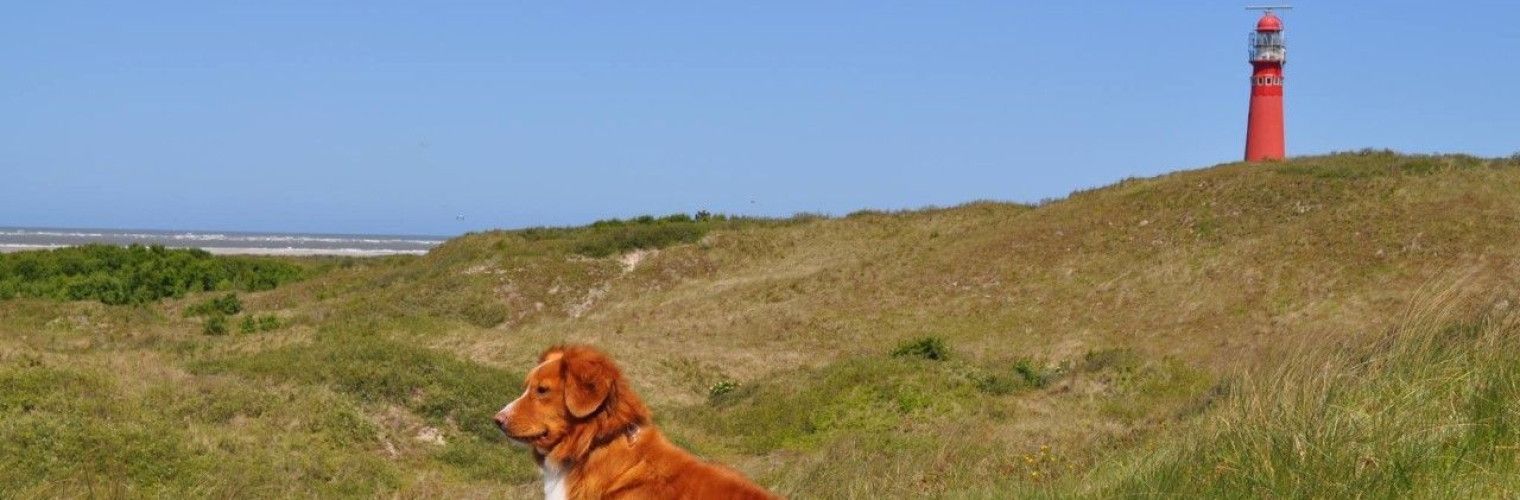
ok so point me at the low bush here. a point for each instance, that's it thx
(225, 305)
(1024, 374)
(607, 240)
(1033, 374)
(263, 323)
(721, 388)
(930, 348)
(135, 274)
(215, 324)
(1122, 359)
(608, 236)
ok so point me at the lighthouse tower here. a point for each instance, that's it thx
(1264, 128)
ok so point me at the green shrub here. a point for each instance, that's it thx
(1122, 359)
(614, 239)
(1032, 374)
(930, 348)
(264, 323)
(135, 274)
(225, 305)
(722, 387)
(215, 324)
(604, 237)
(1024, 374)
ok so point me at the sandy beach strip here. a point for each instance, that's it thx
(287, 251)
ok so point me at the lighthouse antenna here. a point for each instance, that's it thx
(1269, 8)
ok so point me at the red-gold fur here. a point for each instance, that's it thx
(581, 417)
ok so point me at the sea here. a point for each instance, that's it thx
(15, 239)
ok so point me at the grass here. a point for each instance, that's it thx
(805, 409)
(439, 387)
(1235, 331)
(1429, 410)
(71, 431)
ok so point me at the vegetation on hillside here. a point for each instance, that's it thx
(134, 274)
(512, 277)
(1430, 410)
(1339, 325)
(224, 305)
(616, 236)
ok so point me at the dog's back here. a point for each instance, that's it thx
(646, 465)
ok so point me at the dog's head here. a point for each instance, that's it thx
(573, 400)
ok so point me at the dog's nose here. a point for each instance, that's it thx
(501, 421)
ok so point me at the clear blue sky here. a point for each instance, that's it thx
(394, 117)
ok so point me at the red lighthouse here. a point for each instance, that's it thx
(1264, 128)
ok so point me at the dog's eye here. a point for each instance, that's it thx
(542, 390)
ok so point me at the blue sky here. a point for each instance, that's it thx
(394, 117)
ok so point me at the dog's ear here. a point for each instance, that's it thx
(589, 378)
(551, 353)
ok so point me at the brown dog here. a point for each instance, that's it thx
(592, 436)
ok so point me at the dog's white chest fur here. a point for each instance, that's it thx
(554, 481)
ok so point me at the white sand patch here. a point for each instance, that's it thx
(632, 259)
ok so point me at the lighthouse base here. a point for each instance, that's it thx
(1264, 128)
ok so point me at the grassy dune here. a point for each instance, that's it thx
(1327, 326)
